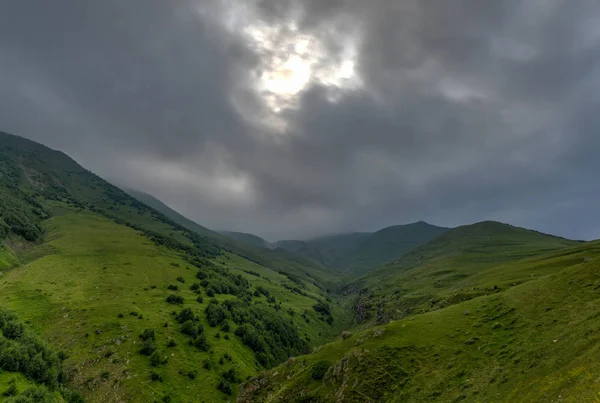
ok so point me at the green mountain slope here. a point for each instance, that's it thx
(157, 205)
(332, 251)
(358, 253)
(514, 318)
(249, 239)
(293, 265)
(143, 308)
(450, 268)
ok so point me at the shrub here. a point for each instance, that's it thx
(175, 299)
(207, 364)
(185, 315)
(173, 287)
(225, 387)
(195, 287)
(147, 347)
(189, 328)
(225, 326)
(155, 377)
(200, 343)
(215, 314)
(147, 334)
(319, 369)
(171, 343)
(200, 300)
(181, 279)
(155, 359)
(322, 308)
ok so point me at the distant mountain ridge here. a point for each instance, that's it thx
(360, 252)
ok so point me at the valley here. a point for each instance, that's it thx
(120, 298)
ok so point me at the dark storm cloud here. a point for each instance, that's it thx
(460, 111)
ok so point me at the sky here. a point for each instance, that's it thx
(292, 119)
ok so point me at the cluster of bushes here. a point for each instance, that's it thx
(294, 289)
(323, 309)
(217, 280)
(228, 379)
(21, 351)
(20, 214)
(271, 336)
(175, 299)
(191, 326)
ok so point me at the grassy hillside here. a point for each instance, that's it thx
(250, 247)
(530, 335)
(249, 239)
(450, 268)
(95, 286)
(358, 253)
(143, 308)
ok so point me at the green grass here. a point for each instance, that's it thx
(461, 264)
(98, 270)
(535, 341)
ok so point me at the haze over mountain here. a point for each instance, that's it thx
(297, 119)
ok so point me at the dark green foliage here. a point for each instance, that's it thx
(147, 347)
(225, 326)
(322, 308)
(175, 299)
(200, 342)
(133, 313)
(200, 300)
(155, 359)
(173, 287)
(195, 287)
(225, 387)
(147, 334)
(207, 364)
(189, 328)
(171, 343)
(191, 374)
(181, 279)
(155, 377)
(261, 290)
(185, 315)
(215, 314)
(230, 376)
(210, 293)
(21, 351)
(319, 369)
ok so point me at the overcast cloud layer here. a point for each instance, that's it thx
(291, 118)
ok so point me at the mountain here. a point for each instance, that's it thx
(248, 239)
(116, 300)
(485, 312)
(295, 266)
(357, 253)
(158, 205)
(453, 263)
